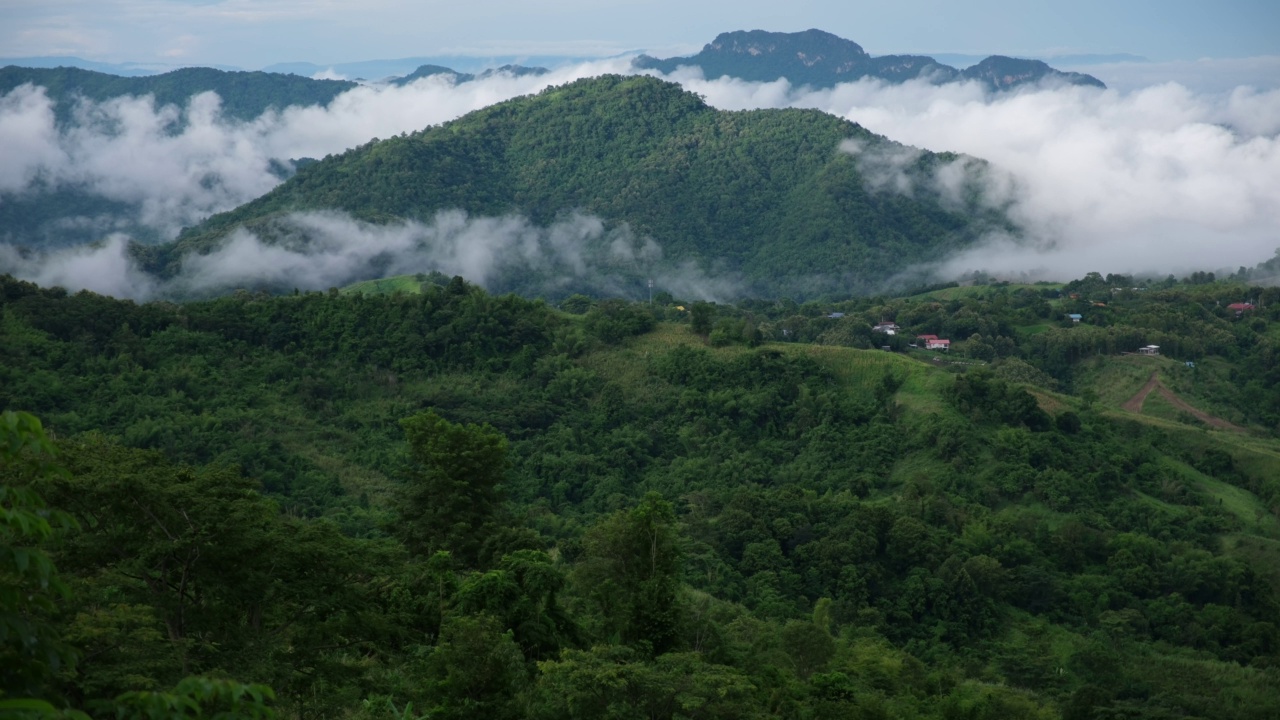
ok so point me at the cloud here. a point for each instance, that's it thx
(1156, 180)
(105, 268)
(1215, 76)
(319, 250)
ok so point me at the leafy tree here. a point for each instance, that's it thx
(31, 649)
(631, 569)
(451, 495)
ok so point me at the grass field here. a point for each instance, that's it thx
(387, 286)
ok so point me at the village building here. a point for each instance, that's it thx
(1075, 317)
(933, 342)
(1149, 350)
(887, 328)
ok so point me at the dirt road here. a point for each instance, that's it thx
(1134, 404)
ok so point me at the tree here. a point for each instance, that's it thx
(451, 493)
(477, 670)
(31, 649)
(632, 570)
(701, 317)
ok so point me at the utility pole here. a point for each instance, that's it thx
(650, 291)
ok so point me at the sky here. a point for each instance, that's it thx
(251, 34)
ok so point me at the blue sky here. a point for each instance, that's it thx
(256, 33)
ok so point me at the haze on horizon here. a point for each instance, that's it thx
(252, 34)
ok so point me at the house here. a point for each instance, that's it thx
(937, 344)
(835, 316)
(1075, 317)
(887, 328)
(1149, 350)
(1240, 308)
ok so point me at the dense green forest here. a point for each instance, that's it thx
(765, 193)
(454, 504)
(245, 95)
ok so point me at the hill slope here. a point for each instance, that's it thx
(850, 530)
(820, 59)
(766, 194)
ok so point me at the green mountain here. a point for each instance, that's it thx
(452, 504)
(764, 195)
(820, 59)
(245, 95)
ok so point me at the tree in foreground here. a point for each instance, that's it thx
(451, 493)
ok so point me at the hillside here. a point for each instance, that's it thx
(708, 525)
(245, 95)
(820, 59)
(765, 196)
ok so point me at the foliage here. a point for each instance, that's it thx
(577, 523)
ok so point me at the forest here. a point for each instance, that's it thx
(438, 502)
(769, 194)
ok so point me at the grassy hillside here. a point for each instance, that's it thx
(766, 195)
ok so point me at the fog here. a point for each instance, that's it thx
(1157, 180)
(1149, 178)
(320, 250)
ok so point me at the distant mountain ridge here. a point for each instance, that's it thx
(464, 77)
(821, 59)
(245, 95)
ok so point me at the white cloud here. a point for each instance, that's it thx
(1160, 179)
(319, 250)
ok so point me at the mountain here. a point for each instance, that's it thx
(130, 69)
(462, 77)
(820, 59)
(1004, 73)
(765, 194)
(380, 69)
(245, 95)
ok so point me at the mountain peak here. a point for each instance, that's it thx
(801, 44)
(820, 59)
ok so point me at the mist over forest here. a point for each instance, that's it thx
(1155, 180)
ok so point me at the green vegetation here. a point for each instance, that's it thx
(450, 504)
(765, 193)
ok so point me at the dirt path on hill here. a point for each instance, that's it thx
(1134, 404)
